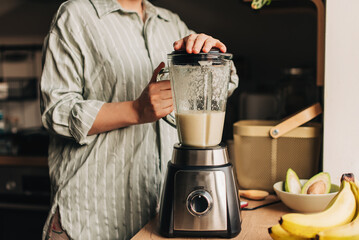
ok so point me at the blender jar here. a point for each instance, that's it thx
(199, 85)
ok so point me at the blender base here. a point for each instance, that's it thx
(199, 201)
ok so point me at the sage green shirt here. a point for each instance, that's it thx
(106, 186)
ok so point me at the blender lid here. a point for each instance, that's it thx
(181, 57)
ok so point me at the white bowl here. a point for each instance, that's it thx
(305, 202)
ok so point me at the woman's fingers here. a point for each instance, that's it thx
(220, 46)
(199, 42)
(195, 43)
(164, 85)
(179, 45)
(166, 103)
(166, 94)
(189, 42)
(155, 100)
(212, 42)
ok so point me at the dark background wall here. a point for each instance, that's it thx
(263, 42)
(282, 34)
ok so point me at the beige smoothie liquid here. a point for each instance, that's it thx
(200, 129)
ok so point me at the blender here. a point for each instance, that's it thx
(199, 197)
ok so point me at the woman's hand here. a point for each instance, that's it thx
(155, 101)
(195, 43)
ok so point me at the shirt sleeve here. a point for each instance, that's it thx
(233, 81)
(64, 110)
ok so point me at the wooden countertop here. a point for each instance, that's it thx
(255, 223)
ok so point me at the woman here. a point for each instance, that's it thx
(102, 106)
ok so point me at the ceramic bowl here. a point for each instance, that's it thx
(307, 203)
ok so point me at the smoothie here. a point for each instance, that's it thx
(200, 129)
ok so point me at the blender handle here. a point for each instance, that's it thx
(170, 118)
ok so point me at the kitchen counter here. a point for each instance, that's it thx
(255, 223)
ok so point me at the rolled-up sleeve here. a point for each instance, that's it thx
(64, 110)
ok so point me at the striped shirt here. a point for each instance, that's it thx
(106, 186)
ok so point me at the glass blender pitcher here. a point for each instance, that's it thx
(199, 197)
(199, 85)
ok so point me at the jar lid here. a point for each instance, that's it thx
(214, 57)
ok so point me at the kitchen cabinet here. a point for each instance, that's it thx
(19, 99)
(18, 79)
(24, 173)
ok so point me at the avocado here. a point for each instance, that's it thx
(318, 184)
(292, 183)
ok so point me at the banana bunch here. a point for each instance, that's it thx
(340, 220)
(278, 233)
(346, 231)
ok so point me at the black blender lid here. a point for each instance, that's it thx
(181, 57)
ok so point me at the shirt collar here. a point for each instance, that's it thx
(104, 7)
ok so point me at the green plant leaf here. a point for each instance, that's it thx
(257, 4)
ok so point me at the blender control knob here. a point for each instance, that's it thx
(199, 202)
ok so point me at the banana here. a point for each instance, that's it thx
(278, 233)
(339, 212)
(347, 231)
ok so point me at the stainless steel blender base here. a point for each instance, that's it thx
(200, 201)
(199, 197)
